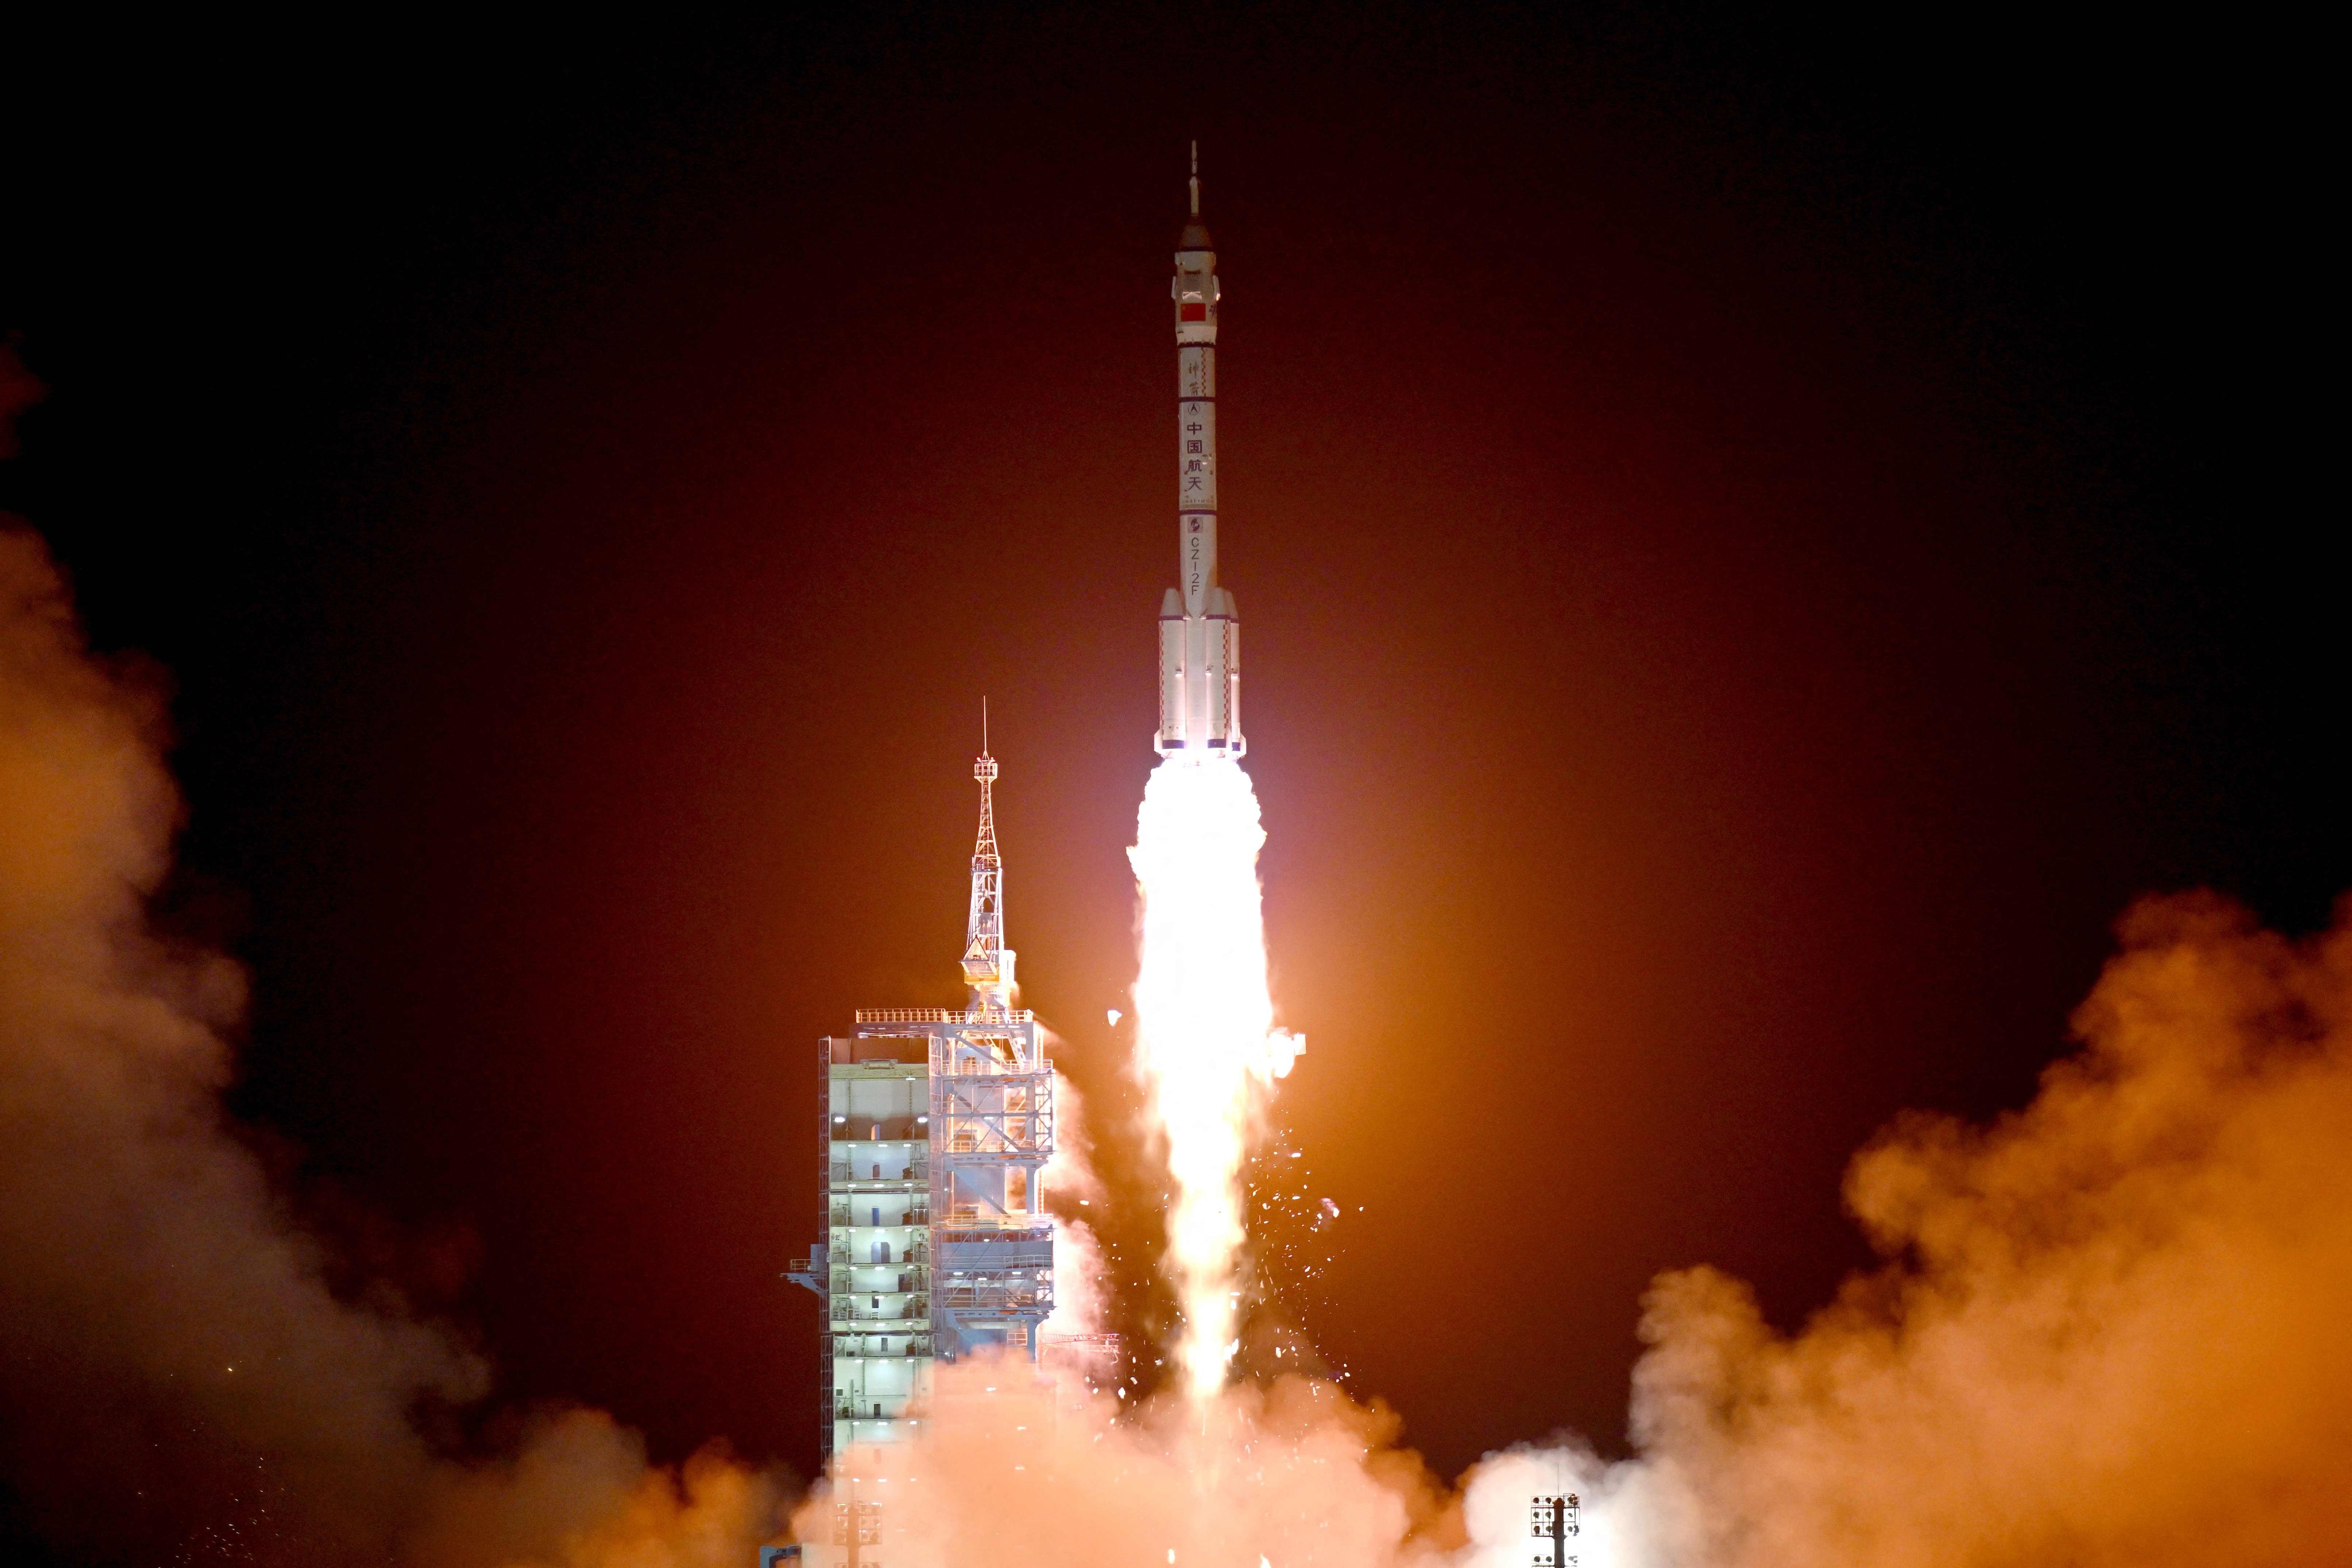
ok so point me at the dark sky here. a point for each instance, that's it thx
(1757, 542)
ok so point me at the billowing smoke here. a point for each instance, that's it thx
(1015, 1472)
(2112, 1328)
(2109, 1332)
(1073, 1192)
(178, 1380)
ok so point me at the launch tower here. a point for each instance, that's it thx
(934, 1126)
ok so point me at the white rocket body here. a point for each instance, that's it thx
(1200, 631)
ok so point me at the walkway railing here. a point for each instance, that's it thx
(943, 1015)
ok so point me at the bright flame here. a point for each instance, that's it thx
(1206, 1042)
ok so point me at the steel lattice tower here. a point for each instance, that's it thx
(987, 963)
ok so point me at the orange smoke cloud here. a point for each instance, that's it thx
(173, 1368)
(580, 1494)
(2113, 1329)
(1020, 1473)
(2110, 1332)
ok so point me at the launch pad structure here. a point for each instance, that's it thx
(934, 1128)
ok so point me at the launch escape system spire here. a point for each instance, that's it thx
(987, 961)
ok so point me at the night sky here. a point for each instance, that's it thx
(1759, 541)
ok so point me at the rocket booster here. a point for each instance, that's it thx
(1200, 631)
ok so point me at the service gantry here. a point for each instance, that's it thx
(935, 1128)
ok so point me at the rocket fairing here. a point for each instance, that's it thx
(1200, 630)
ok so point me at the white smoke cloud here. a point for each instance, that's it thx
(1081, 1285)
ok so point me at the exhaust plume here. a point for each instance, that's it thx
(1206, 1047)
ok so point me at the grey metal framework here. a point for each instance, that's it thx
(935, 1127)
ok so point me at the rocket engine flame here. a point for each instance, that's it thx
(1206, 1046)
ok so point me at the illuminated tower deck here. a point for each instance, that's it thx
(934, 1127)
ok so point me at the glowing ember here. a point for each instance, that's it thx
(1206, 1042)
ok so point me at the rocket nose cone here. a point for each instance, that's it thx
(1195, 237)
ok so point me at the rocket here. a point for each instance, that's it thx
(1200, 631)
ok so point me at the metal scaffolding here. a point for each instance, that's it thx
(935, 1127)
